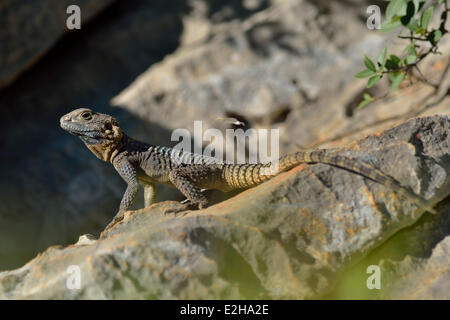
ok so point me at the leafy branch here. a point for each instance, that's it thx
(414, 17)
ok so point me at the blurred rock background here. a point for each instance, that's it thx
(159, 65)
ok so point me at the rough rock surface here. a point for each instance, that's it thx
(285, 64)
(54, 189)
(28, 29)
(259, 68)
(401, 260)
(416, 278)
(291, 237)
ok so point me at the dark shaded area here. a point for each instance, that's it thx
(325, 6)
(54, 188)
(85, 68)
(263, 36)
(231, 265)
(28, 29)
(220, 10)
(413, 243)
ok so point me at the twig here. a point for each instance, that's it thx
(413, 38)
(412, 113)
(424, 79)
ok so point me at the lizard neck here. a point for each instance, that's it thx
(110, 148)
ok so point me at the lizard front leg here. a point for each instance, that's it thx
(128, 174)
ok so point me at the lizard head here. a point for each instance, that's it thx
(100, 132)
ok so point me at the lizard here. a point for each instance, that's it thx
(139, 163)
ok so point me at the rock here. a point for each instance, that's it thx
(86, 240)
(29, 29)
(54, 189)
(424, 279)
(401, 260)
(291, 237)
(260, 68)
(283, 64)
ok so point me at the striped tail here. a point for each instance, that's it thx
(249, 175)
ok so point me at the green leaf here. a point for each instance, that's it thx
(411, 48)
(363, 104)
(393, 62)
(396, 78)
(389, 26)
(435, 36)
(410, 59)
(413, 25)
(396, 8)
(364, 74)
(416, 6)
(394, 58)
(420, 4)
(382, 58)
(426, 17)
(369, 64)
(367, 97)
(409, 14)
(374, 80)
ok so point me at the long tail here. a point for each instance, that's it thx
(249, 175)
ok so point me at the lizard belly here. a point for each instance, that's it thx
(144, 178)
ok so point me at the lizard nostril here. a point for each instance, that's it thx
(67, 119)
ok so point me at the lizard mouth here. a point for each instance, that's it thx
(75, 129)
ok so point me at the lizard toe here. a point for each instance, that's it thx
(178, 209)
(186, 201)
(113, 223)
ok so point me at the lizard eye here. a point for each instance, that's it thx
(86, 116)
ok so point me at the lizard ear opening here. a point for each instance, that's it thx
(108, 126)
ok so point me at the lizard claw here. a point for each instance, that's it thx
(183, 207)
(119, 217)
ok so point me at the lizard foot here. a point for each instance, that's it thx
(119, 217)
(184, 207)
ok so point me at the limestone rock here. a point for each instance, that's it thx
(423, 279)
(284, 64)
(291, 237)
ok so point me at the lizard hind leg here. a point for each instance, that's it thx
(193, 194)
(149, 194)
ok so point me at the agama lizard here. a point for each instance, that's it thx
(145, 164)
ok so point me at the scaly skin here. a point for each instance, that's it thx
(143, 164)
